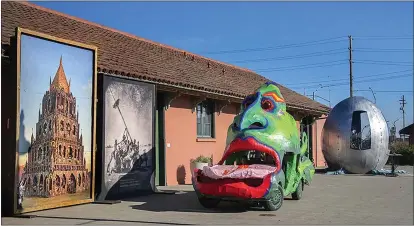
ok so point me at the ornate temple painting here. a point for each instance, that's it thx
(128, 137)
(55, 129)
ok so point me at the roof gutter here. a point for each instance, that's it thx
(307, 109)
(196, 90)
(200, 91)
(168, 84)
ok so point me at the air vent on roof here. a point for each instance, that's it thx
(208, 64)
(224, 71)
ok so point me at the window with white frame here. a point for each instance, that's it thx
(205, 119)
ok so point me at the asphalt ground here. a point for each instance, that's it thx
(330, 199)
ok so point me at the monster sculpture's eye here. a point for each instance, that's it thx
(267, 105)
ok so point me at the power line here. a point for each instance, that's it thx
(332, 63)
(385, 78)
(385, 91)
(379, 63)
(378, 91)
(380, 36)
(322, 53)
(343, 79)
(303, 66)
(386, 61)
(382, 50)
(310, 43)
(362, 81)
(383, 38)
(300, 68)
(376, 79)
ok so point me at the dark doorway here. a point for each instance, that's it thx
(160, 141)
(360, 138)
(306, 126)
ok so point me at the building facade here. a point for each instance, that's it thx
(408, 130)
(197, 97)
(193, 129)
(55, 163)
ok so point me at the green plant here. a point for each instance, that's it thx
(202, 159)
(406, 150)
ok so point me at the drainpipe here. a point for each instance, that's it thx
(316, 143)
(307, 131)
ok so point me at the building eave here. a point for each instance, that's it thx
(169, 87)
(406, 130)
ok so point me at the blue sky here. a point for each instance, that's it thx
(206, 28)
(39, 63)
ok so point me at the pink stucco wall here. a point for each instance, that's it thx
(317, 128)
(182, 143)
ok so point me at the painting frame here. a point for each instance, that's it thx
(105, 195)
(19, 32)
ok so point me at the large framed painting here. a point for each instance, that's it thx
(56, 132)
(128, 157)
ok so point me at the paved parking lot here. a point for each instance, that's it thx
(336, 199)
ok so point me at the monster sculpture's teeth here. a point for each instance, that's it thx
(249, 143)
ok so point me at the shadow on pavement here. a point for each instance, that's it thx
(92, 220)
(181, 202)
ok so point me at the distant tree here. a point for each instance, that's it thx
(406, 150)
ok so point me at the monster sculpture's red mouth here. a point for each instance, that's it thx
(243, 181)
(250, 144)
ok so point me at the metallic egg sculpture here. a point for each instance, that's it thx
(342, 138)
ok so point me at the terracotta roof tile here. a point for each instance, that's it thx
(126, 54)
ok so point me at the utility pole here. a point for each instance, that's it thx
(403, 103)
(350, 66)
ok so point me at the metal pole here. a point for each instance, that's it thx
(403, 100)
(350, 67)
(403, 114)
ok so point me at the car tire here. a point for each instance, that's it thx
(276, 199)
(297, 195)
(208, 203)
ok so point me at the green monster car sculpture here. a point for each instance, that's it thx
(263, 161)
